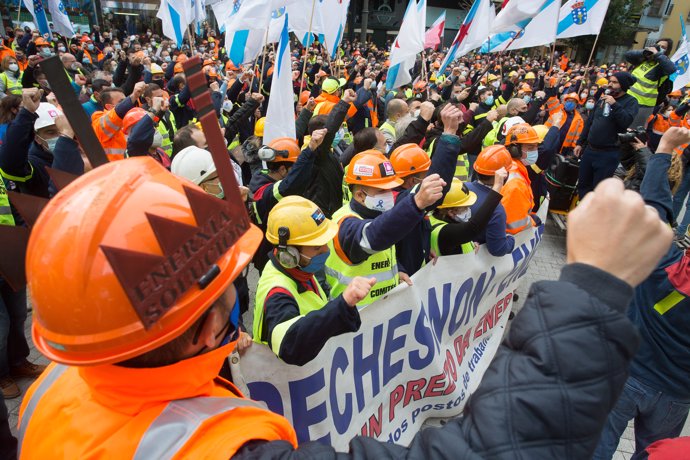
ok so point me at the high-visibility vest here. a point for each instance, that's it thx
(108, 128)
(436, 226)
(574, 130)
(307, 302)
(166, 127)
(62, 416)
(12, 87)
(388, 128)
(6, 217)
(462, 164)
(382, 265)
(518, 200)
(492, 136)
(645, 90)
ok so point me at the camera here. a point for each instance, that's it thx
(631, 134)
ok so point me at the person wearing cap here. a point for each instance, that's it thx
(39, 137)
(288, 172)
(598, 146)
(488, 102)
(572, 124)
(491, 168)
(331, 92)
(522, 142)
(372, 223)
(292, 313)
(156, 75)
(90, 55)
(652, 69)
(454, 227)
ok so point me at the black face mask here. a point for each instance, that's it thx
(158, 81)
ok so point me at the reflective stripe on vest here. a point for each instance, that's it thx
(179, 421)
(47, 382)
(108, 127)
(382, 265)
(645, 90)
(12, 87)
(436, 227)
(462, 164)
(6, 217)
(115, 154)
(307, 301)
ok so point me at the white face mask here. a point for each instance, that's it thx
(463, 216)
(532, 156)
(416, 113)
(157, 139)
(227, 106)
(13, 67)
(382, 202)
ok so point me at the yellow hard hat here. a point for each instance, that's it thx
(541, 131)
(458, 195)
(513, 74)
(491, 78)
(305, 223)
(530, 75)
(331, 85)
(259, 127)
(602, 81)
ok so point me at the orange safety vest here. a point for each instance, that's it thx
(99, 56)
(108, 128)
(553, 105)
(517, 199)
(325, 103)
(659, 124)
(177, 411)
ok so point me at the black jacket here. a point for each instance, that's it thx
(547, 392)
(601, 132)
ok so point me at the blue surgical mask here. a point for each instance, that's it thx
(532, 156)
(527, 99)
(167, 59)
(589, 105)
(316, 263)
(569, 106)
(89, 47)
(489, 101)
(46, 52)
(233, 323)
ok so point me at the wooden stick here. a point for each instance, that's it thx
(593, 48)
(263, 61)
(19, 12)
(306, 48)
(553, 54)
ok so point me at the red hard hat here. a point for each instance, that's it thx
(132, 118)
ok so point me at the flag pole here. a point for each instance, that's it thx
(306, 48)
(553, 55)
(591, 54)
(19, 11)
(263, 61)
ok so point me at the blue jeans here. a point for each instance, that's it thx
(657, 416)
(595, 166)
(13, 346)
(678, 200)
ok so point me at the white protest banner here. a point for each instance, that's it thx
(419, 353)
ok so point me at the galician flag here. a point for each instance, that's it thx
(514, 12)
(280, 116)
(537, 31)
(36, 9)
(681, 59)
(408, 43)
(432, 38)
(61, 21)
(581, 17)
(175, 16)
(472, 33)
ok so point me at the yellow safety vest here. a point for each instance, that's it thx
(12, 87)
(645, 90)
(166, 134)
(6, 217)
(462, 165)
(436, 226)
(382, 265)
(388, 128)
(307, 302)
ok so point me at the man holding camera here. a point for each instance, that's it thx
(652, 68)
(598, 145)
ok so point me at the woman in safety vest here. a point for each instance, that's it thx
(292, 313)
(10, 77)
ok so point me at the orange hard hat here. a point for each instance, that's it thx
(231, 66)
(675, 93)
(85, 39)
(132, 118)
(491, 159)
(420, 86)
(40, 41)
(304, 97)
(178, 68)
(181, 58)
(207, 62)
(525, 88)
(572, 96)
(285, 146)
(131, 294)
(409, 159)
(372, 169)
(212, 73)
(522, 133)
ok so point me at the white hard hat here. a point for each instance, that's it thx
(156, 69)
(510, 122)
(193, 163)
(47, 113)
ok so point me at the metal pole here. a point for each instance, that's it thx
(365, 21)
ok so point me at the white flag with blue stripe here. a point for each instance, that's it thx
(581, 17)
(537, 31)
(61, 21)
(280, 116)
(472, 33)
(514, 12)
(408, 43)
(176, 17)
(333, 16)
(36, 9)
(681, 59)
